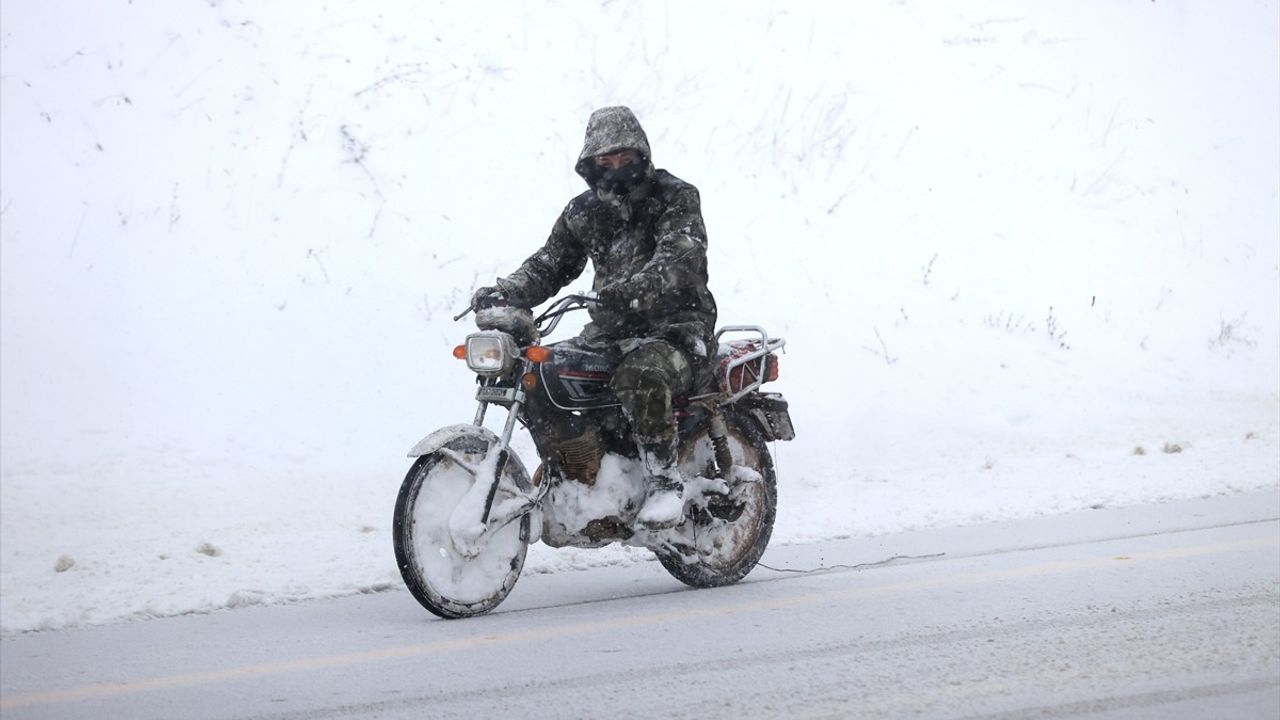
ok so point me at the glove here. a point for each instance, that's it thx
(612, 296)
(487, 297)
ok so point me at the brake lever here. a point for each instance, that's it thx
(463, 314)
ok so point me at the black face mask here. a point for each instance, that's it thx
(623, 180)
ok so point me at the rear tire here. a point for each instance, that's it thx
(726, 549)
(439, 577)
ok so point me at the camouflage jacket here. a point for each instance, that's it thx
(648, 249)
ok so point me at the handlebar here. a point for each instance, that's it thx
(556, 310)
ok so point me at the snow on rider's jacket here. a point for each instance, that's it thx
(645, 238)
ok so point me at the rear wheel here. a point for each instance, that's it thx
(722, 541)
(445, 581)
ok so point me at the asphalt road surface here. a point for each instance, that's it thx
(1159, 611)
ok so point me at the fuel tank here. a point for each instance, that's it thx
(578, 379)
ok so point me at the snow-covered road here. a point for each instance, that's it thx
(1162, 610)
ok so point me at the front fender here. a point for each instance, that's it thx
(448, 434)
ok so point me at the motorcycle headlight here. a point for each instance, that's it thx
(491, 353)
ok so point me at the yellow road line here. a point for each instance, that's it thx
(321, 662)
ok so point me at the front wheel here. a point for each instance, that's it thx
(724, 540)
(440, 577)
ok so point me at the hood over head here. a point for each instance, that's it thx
(609, 130)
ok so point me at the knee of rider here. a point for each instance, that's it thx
(641, 393)
(638, 379)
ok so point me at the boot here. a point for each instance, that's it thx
(664, 500)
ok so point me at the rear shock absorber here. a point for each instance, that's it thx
(719, 433)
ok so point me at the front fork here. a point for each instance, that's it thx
(476, 515)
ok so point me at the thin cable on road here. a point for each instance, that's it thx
(859, 566)
(1024, 548)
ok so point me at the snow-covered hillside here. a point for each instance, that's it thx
(1026, 256)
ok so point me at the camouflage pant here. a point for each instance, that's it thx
(646, 381)
(650, 373)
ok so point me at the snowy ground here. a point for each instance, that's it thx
(1026, 256)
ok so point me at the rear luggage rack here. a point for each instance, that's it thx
(759, 356)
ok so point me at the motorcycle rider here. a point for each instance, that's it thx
(642, 230)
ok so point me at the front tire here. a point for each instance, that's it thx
(439, 577)
(725, 544)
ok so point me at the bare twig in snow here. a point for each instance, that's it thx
(405, 72)
(1012, 324)
(1231, 333)
(1055, 335)
(903, 146)
(75, 240)
(928, 269)
(883, 352)
(357, 151)
(299, 133)
(174, 213)
(313, 255)
(1101, 181)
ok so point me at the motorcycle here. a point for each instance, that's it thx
(468, 509)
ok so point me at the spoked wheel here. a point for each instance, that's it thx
(444, 580)
(721, 542)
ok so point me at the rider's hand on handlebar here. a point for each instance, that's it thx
(487, 297)
(612, 296)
